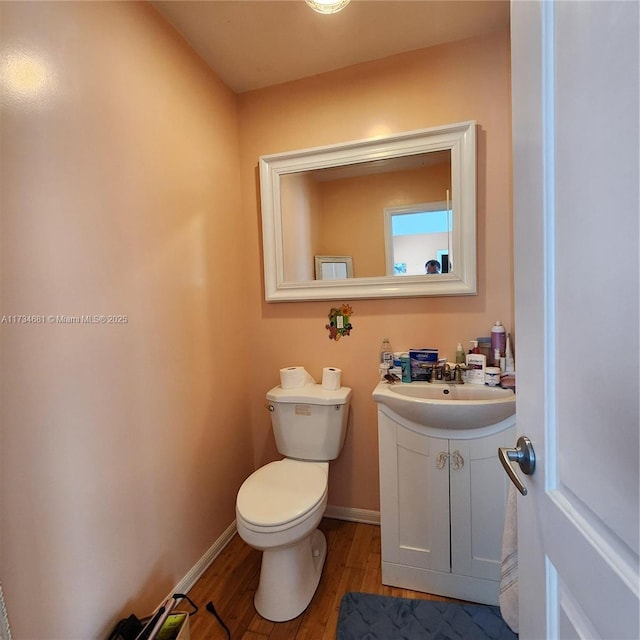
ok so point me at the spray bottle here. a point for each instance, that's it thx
(498, 341)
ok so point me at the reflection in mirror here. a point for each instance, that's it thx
(416, 235)
(334, 267)
(341, 210)
(386, 203)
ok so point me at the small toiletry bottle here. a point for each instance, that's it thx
(498, 340)
(474, 349)
(460, 354)
(510, 365)
(386, 352)
(405, 364)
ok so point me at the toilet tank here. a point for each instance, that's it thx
(309, 423)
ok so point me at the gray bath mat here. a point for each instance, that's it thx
(365, 616)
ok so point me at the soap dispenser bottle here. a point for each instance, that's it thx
(460, 354)
(476, 364)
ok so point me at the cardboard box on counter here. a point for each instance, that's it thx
(418, 357)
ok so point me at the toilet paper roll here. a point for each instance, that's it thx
(331, 378)
(294, 377)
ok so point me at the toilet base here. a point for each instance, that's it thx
(289, 577)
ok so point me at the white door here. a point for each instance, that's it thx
(576, 176)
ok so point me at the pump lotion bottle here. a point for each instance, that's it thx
(476, 364)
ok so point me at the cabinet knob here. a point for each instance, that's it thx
(441, 460)
(457, 460)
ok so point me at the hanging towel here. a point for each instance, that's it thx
(509, 572)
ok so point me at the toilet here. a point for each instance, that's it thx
(280, 505)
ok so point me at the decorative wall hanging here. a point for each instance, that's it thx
(339, 324)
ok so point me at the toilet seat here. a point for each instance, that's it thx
(281, 492)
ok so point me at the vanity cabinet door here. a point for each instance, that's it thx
(442, 509)
(414, 500)
(478, 498)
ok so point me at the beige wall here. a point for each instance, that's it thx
(123, 445)
(450, 83)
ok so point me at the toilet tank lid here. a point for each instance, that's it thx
(311, 394)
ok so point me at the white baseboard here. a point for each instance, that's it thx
(203, 564)
(352, 515)
(339, 513)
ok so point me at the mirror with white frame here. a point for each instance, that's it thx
(390, 204)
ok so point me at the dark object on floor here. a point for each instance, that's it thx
(365, 616)
(132, 628)
(211, 609)
(127, 629)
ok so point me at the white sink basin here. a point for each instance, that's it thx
(448, 406)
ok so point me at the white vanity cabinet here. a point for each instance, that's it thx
(442, 504)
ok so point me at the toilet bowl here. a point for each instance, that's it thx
(280, 505)
(278, 511)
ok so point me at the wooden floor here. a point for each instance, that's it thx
(353, 564)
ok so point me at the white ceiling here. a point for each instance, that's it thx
(252, 44)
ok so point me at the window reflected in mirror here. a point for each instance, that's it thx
(418, 239)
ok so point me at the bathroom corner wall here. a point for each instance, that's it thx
(456, 82)
(123, 444)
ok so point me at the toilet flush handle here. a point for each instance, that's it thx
(270, 407)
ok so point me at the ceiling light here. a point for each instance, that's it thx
(327, 6)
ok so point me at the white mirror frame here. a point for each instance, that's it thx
(459, 138)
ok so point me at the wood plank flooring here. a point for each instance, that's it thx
(353, 564)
